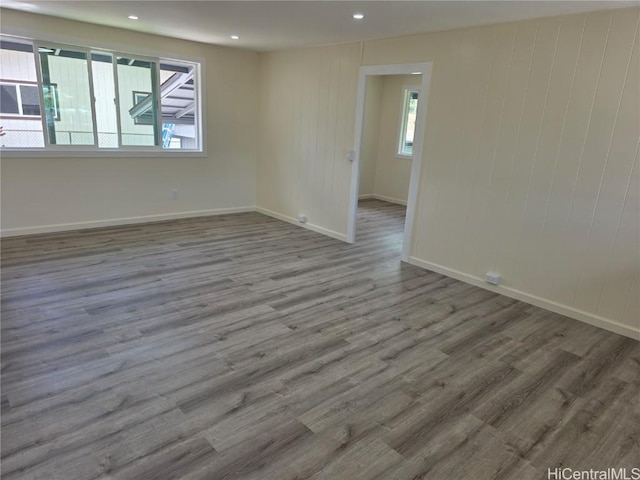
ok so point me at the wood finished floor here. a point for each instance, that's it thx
(242, 347)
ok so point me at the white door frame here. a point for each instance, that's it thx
(418, 142)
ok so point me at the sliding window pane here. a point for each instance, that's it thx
(138, 95)
(178, 101)
(67, 97)
(105, 93)
(19, 98)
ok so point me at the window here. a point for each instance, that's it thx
(64, 77)
(9, 99)
(30, 101)
(63, 97)
(408, 122)
(139, 97)
(19, 99)
(104, 91)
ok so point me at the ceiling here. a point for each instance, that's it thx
(274, 25)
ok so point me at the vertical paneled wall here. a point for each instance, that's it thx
(392, 172)
(370, 131)
(307, 118)
(530, 166)
(17, 66)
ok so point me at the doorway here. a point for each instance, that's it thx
(407, 147)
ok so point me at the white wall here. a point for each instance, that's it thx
(41, 194)
(383, 174)
(531, 140)
(393, 173)
(307, 120)
(17, 65)
(370, 131)
(530, 161)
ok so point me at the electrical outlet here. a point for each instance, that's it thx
(174, 194)
(493, 278)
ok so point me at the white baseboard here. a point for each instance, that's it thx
(112, 222)
(309, 226)
(571, 312)
(63, 227)
(375, 196)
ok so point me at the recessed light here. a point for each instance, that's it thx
(235, 37)
(416, 73)
(358, 16)
(133, 17)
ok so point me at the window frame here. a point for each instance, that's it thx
(155, 151)
(135, 93)
(20, 115)
(158, 105)
(407, 90)
(16, 95)
(56, 100)
(37, 44)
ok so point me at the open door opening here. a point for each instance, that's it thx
(390, 116)
(388, 133)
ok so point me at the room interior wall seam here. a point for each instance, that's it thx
(306, 132)
(308, 226)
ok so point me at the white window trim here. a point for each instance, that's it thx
(406, 89)
(79, 151)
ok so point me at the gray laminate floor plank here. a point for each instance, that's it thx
(241, 347)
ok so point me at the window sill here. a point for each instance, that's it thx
(7, 153)
(404, 157)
